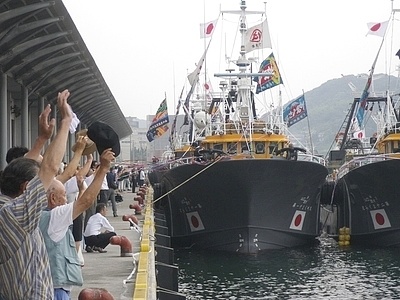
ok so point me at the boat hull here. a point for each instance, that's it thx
(243, 206)
(368, 198)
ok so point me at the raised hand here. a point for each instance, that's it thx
(80, 143)
(106, 158)
(46, 128)
(63, 106)
(80, 179)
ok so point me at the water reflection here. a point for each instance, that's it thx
(322, 272)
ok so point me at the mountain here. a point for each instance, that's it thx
(327, 107)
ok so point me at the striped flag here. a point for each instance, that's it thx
(159, 125)
(272, 75)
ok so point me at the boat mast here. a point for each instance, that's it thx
(244, 82)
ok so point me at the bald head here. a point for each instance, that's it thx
(56, 194)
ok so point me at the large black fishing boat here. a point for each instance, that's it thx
(244, 187)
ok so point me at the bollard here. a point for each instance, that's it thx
(133, 221)
(95, 294)
(137, 208)
(139, 199)
(132, 217)
(141, 194)
(124, 243)
(143, 190)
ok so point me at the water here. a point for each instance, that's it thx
(325, 271)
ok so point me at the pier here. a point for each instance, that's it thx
(147, 273)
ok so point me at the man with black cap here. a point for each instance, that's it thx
(105, 137)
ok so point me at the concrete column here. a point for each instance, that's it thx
(24, 118)
(4, 145)
(40, 105)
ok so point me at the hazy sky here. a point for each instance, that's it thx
(145, 49)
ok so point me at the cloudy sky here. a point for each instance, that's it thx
(145, 49)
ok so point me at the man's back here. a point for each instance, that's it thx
(20, 239)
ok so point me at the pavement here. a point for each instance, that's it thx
(115, 270)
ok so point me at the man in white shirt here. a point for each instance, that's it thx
(55, 222)
(142, 177)
(98, 230)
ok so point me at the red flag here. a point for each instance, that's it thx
(378, 29)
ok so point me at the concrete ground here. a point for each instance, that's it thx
(110, 270)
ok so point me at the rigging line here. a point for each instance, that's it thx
(187, 180)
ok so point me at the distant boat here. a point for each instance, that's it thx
(237, 182)
(366, 190)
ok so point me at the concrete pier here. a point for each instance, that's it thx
(123, 275)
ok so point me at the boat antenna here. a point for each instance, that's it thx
(309, 128)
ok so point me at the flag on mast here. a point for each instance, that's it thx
(207, 29)
(378, 29)
(193, 78)
(257, 37)
(295, 111)
(272, 77)
(159, 125)
(364, 96)
(172, 134)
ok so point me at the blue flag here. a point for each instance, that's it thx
(295, 111)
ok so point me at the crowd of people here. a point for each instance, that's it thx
(49, 208)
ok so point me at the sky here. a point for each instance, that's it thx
(146, 49)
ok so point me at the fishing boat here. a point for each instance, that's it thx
(238, 183)
(366, 188)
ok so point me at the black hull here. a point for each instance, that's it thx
(243, 206)
(368, 199)
(156, 173)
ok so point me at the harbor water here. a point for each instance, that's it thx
(325, 271)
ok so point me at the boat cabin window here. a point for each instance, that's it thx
(273, 146)
(260, 148)
(372, 141)
(231, 148)
(393, 147)
(244, 147)
(218, 146)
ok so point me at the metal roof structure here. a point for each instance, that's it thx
(42, 50)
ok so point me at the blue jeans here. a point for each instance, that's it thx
(61, 294)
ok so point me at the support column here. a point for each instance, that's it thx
(24, 118)
(4, 144)
(40, 105)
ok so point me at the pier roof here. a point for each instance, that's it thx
(42, 50)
